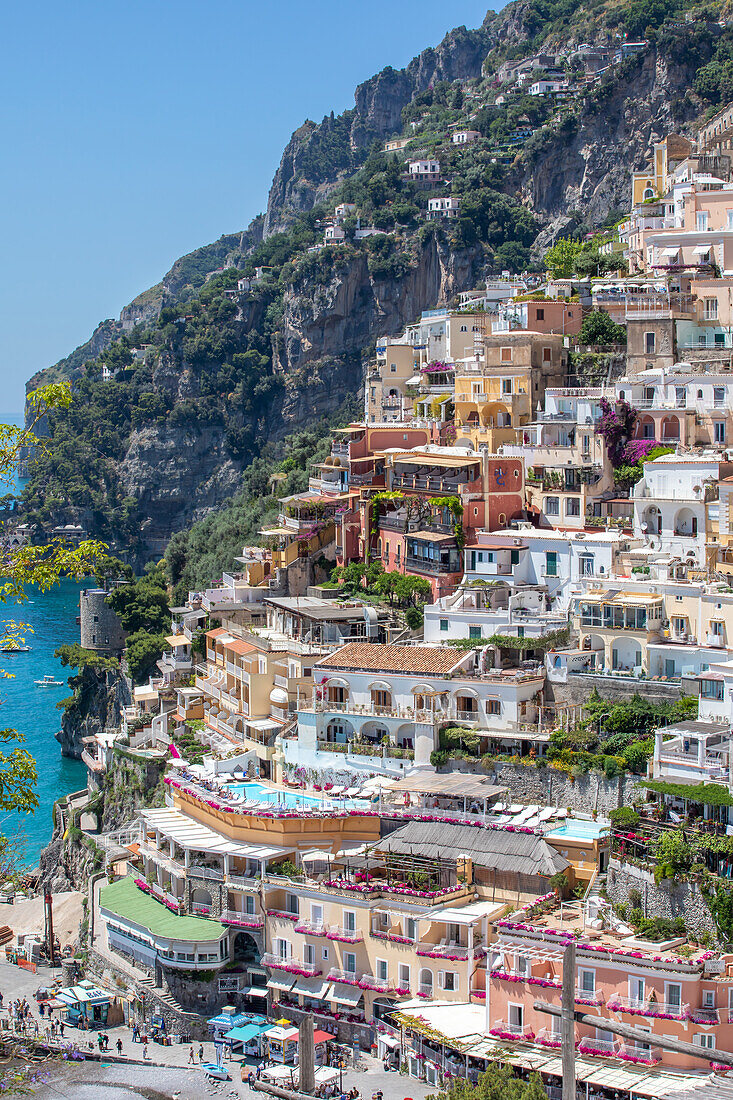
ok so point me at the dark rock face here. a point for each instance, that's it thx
(377, 112)
(590, 174)
(101, 700)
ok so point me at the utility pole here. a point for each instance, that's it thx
(306, 1055)
(567, 1022)
(48, 903)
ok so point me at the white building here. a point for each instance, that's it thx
(380, 707)
(479, 613)
(672, 511)
(424, 171)
(444, 207)
(465, 137)
(561, 561)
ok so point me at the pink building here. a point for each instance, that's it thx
(650, 986)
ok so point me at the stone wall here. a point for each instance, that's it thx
(153, 1000)
(668, 899)
(550, 787)
(579, 686)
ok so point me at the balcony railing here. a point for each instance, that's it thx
(599, 1047)
(425, 990)
(588, 996)
(290, 965)
(282, 914)
(344, 977)
(201, 910)
(344, 935)
(311, 927)
(506, 1030)
(241, 920)
(443, 951)
(211, 873)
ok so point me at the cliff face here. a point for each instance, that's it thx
(591, 176)
(300, 182)
(101, 697)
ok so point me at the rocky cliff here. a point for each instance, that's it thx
(98, 704)
(304, 178)
(265, 330)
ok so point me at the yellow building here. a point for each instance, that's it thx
(496, 393)
(653, 183)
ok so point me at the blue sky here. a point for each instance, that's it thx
(134, 132)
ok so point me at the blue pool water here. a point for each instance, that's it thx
(583, 830)
(293, 800)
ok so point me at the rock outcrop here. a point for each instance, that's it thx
(98, 705)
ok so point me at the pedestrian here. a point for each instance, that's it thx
(191, 1058)
(251, 1079)
(201, 1052)
(135, 1034)
(35, 1024)
(42, 1009)
(119, 1046)
(106, 1042)
(145, 1050)
(100, 1042)
(62, 1025)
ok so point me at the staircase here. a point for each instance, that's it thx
(594, 903)
(147, 985)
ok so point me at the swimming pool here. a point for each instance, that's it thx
(582, 830)
(294, 800)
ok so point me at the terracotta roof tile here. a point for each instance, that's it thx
(371, 656)
(216, 633)
(238, 645)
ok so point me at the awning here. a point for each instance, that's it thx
(311, 987)
(322, 1036)
(702, 249)
(344, 994)
(177, 641)
(243, 1034)
(285, 984)
(255, 991)
(390, 1041)
(670, 251)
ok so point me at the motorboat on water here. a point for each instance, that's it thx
(49, 680)
(15, 649)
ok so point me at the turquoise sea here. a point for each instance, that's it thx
(32, 710)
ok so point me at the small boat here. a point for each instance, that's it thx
(48, 681)
(215, 1069)
(15, 649)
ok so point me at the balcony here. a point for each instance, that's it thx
(379, 985)
(201, 910)
(451, 951)
(343, 977)
(704, 1015)
(549, 1038)
(425, 990)
(211, 873)
(241, 920)
(344, 935)
(715, 640)
(311, 927)
(588, 996)
(282, 914)
(291, 966)
(648, 1056)
(516, 1032)
(422, 565)
(599, 1048)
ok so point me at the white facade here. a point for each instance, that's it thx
(475, 613)
(670, 510)
(560, 561)
(464, 137)
(443, 208)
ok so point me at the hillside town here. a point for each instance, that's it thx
(393, 790)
